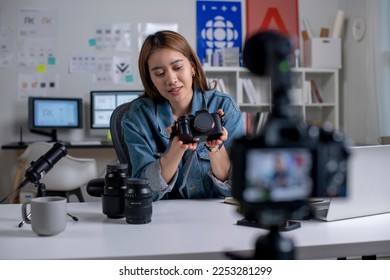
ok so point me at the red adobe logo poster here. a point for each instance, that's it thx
(280, 15)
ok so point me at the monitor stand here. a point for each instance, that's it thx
(52, 134)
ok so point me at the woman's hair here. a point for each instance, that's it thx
(168, 40)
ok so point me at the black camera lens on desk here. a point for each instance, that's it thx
(123, 196)
(114, 190)
(138, 201)
(111, 189)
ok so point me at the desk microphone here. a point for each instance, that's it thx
(45, 163)
(42, 166)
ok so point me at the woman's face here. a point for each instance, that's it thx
(172, 75)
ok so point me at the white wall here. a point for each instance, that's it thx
(77, 19)
(359, 102)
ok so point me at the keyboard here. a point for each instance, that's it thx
(85, 143)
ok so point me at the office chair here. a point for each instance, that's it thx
(117, 136)
(65, 178)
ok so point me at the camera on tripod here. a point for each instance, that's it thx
(276, 172)
(202, 126)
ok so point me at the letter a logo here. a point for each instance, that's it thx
(273, 16)
(278, 15)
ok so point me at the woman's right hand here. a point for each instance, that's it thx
(177, 142)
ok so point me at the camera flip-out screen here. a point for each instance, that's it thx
(277, 175)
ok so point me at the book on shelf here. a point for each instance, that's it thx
(211, 82)
(222, 85)
(254, 122)
(307, 92)
(254, 92)
(316, 92)
(248, 123)
(250, 91)
(262, 121)
(246, 90)
(244, 121)
(218, 83)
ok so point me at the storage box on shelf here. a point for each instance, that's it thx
(315, 108)
(322, 53)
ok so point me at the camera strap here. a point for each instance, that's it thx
(185, 174)
(204, 102)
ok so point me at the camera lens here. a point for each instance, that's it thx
(138, 201)
(203, 122)
(114, 190)
(184, 126)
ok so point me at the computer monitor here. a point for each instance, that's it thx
(103, 104)
(54, 113)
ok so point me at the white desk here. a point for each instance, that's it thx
(183, 229)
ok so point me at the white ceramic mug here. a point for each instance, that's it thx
(48, 214)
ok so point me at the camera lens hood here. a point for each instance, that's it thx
(95, 187)
(117, 168)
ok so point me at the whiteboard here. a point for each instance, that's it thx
(75, 24)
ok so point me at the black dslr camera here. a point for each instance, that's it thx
(202, 126)
(276, 172)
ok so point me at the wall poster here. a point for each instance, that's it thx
(218, 27)
(280, 15)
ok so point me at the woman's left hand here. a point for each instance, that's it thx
(214, 143)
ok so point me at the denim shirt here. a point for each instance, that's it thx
(144, 127)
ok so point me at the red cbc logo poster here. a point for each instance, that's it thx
(279, 15)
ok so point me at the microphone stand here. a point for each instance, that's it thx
(41, 191)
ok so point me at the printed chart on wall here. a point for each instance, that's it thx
(280, 15)
(6, 39)
(37, 52)
(218, 28)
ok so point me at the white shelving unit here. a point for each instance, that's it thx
(313, 112)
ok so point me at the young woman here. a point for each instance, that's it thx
(175, 86)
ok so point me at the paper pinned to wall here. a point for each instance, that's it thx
(37, 84)
(114, 69)
(6, 55)
(145, 29)
(83, 63)
(38, 23)
(112, 37)
(33, 52)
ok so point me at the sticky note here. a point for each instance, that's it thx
(51, 60)
(41, 68)
(129, 78)
(92, 42)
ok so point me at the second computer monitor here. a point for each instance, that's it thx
(103, 104)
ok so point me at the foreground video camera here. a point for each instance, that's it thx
(202, 126)
(276, 172)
